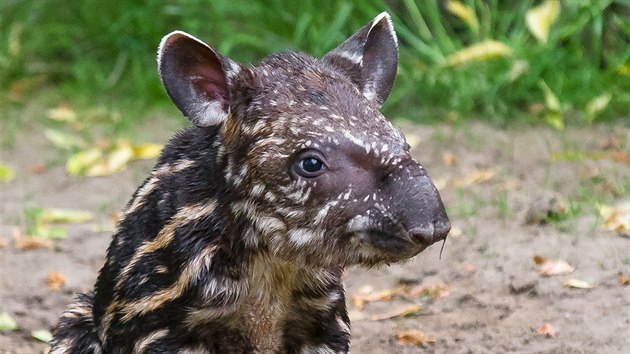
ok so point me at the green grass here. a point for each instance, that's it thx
(102, 53)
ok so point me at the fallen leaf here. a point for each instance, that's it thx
(449, 158)
(623, 279)
(36, 169)
(55, 281)
(548, 267)
(80, 162)
(62, 113)
(399, 312)
(7, 323)
(63, 140)
(576, 283)
(482, 51)
(540, 18)
(616, 218)
(29, 243)
(3, 243)
(546, 330)
(63, 216)
(146, 151)
(414, 337)
(42, 335)
(359, 300)
(6, 173)
(435, 291)
(115, 161)
(477, 177)
(621, 156)
(464, 13)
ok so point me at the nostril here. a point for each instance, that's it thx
(423, 234)
(442, 229)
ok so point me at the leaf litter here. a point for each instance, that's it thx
(547, 267)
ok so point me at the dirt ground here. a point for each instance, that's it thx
(493, 300)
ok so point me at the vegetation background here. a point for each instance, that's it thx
(560, 61)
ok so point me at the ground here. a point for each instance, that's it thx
(490, 297)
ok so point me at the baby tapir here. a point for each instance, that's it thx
(237, 241)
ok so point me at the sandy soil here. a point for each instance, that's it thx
(495, 299)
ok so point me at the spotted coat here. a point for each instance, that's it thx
(238, 239)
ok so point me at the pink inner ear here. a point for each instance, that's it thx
(210, 83)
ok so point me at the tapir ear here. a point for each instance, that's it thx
(369, 58)
(196, 77)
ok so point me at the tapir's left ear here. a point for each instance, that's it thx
(369, 58)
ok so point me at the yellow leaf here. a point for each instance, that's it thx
(6, 173)
(62, 113)
(486, 50)
(146, 151)
(80, 162)
(113, 162)
(597, 105)
(519, 68)
(42, 335)
(540, 18)
(465, 13)
(414, 337)
(63, 216)
(616, 218)
(62, 139)
(576, 283)
(399, 312)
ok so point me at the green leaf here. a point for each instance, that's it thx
(43, 335)
(63, 216)
(7, 323)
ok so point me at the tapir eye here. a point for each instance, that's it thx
(311, 165)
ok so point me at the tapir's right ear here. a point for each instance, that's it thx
(196, 77)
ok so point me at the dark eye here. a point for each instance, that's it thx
(310, 167)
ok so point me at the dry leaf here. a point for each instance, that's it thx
(29, 243)
(360, 300)
(482, 51)
(435, 291)
(616, 218)
(477, 177)
(414, 337)
(576, 283)
(3, 243)
(623, 279)
(621, 156)
(55, 281)
(62, 113)
(548, 267)
(449, 158)
(540, 18)
(399, 312)
(546, 330)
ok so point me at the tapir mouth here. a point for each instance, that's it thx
(393, 246)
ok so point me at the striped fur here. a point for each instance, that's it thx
(225, 248)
